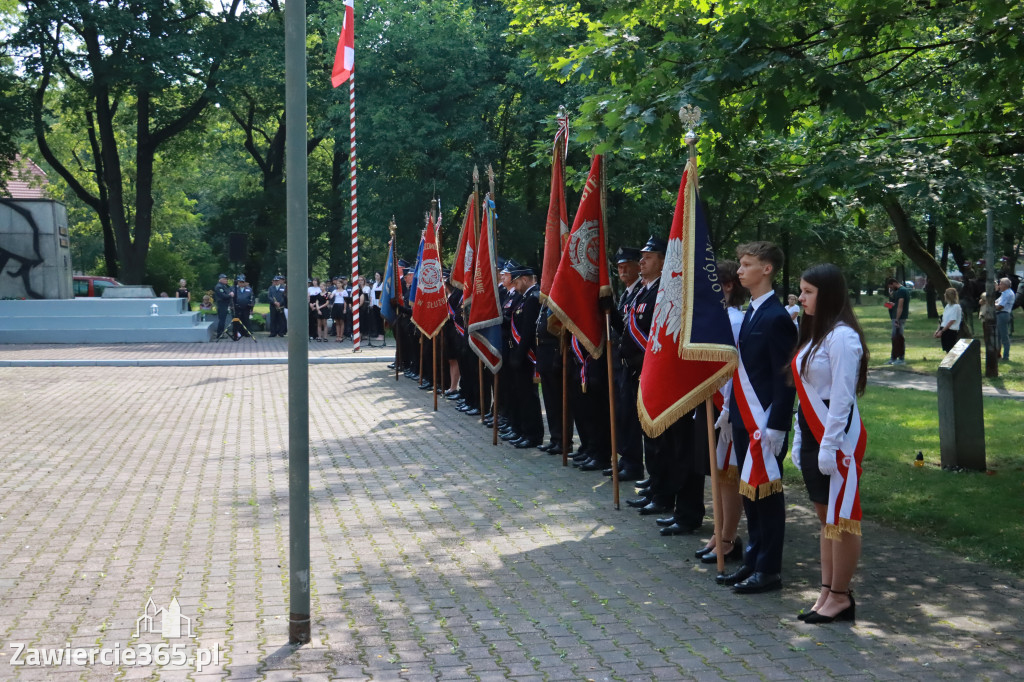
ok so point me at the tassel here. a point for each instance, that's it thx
(748, 491)
(729, 475)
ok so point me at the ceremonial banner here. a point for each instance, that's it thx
(582, 276)
(556, 231)
(462, 266)
(387, 308)
(485, 313)
(344, 56)
(430, 309)
(690, 351)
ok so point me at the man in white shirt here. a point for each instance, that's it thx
(1004, 308)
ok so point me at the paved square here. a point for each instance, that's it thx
(435, 555)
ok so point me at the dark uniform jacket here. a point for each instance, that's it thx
(524, 328)
(637, 320)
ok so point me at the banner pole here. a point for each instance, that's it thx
(357, 291)
(566, 422)
(480, 377)
(611, 407)
(716, 498)
(433, 369)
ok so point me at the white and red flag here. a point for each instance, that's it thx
(344, 56)
(582, 276)
(556, 230)
(465, 253)
(690, 350)
(430, 309)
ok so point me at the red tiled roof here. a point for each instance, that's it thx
(27, 181)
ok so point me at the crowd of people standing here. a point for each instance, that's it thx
(823, 357)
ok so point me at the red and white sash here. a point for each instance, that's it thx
(761, 475)
(844, 513)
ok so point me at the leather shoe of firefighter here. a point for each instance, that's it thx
(473, 412)
(739, 575)
(639, 502)
(653, 508)
(523, 443)
(593, 465)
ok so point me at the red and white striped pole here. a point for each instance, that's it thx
(357, 291)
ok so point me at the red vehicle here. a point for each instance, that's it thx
(88, 285)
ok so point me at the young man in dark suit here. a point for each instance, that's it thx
(761, 415)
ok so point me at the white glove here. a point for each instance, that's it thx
(827, 462)
(796, 458)
(724, 427)
(774, 440)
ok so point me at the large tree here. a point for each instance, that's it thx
(136, 73)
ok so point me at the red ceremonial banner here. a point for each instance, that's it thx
(485, 313)
(582, 276)
(463, 265)
(556, 231)
(430, 308)
(344, 55)
(690, 351)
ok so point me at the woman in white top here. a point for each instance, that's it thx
(728, 476)
(794, 310)
(949, 329)
(830, 371)
(377, 295)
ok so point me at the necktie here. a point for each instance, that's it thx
(746, 318)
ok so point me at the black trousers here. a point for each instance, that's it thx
(278, 325)
(591, 411)
(766, 517)
(629, 441)
(551, 389)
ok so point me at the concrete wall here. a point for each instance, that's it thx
(35, 253)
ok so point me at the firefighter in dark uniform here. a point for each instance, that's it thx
(626, 346)
(223, 296)
(527, 421)
(509, 298)
(244, 302)
(549, 367)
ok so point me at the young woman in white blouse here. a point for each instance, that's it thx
(952, 316)
(830, 371)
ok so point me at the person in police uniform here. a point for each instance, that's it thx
(629, 440)
(223, 296)
(508, 298)
(549, 367)
(244, 302)
(525, 412)
(276, 297)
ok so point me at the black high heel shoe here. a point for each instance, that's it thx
(803, 616)
(703, 551)
(734, 554)
(848, 614)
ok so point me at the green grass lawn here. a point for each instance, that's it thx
(924, 352)
(979, 514)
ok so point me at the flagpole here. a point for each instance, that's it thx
(357, 291)
(433, 339)
(690, 117)
(608, 359)
(476, 231)
(494, 250)
(396, 283)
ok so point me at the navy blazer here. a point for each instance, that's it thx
(766, 346)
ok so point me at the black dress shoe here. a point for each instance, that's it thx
(509, 436)
(593, 465)
(739, 575)
(607, 472)
(667, 521)
(653, 508)
(525, 443)
(426, 386)
(544, 447)
(734, 554)
(702, 551)
(581, 457)
(639, 502)
(473, 411)
(391, 366)
(675, 529)
(463, 407)
(759, 582)
(646, 483)
(453, 396)
(627, 475)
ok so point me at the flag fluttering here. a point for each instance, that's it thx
(556, 230)
(387, 308)
(485, 313)
(344, 56)
(462, 266)
(430, 309)
(582, 276)
(690, 350)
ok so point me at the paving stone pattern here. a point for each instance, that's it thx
(435, 555)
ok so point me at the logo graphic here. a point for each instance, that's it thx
(583, 248)
(467, 264)
(668, 318)
(430, 276)
(166, 622)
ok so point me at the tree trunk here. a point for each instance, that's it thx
(911, 245)
(929, 289)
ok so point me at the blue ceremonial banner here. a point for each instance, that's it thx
(387, 310)
(416, 273)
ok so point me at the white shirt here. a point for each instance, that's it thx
(952, 313)
(1005, 299)
(755, 303)
(378, 293)
(794, 309)
(832, 373)
(735, 321)
(312, 290)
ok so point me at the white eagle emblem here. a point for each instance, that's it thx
(583, 249)
(430, 276)
(467, 264)
(668, 313)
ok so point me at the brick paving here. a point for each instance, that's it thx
(435, 555)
